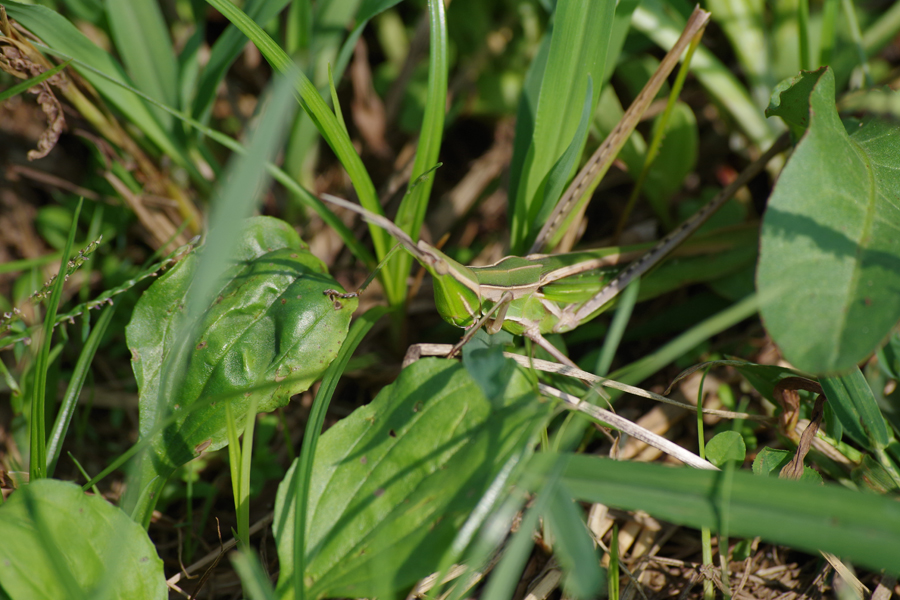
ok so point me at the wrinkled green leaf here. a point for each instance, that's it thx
(829, 269)
(108, 555)
(270, 322)
(394, 481)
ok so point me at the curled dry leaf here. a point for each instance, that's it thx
(17, 58)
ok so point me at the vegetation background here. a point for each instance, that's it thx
(130, 128)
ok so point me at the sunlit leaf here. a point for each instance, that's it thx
(57, 527)
(829, 268)
(394, 481)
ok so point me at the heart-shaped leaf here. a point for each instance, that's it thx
(394, 481)
(59, 542)
(829, 267)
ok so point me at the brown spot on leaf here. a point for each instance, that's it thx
(202, 345)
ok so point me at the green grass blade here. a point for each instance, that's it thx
(29, 83)
(223, 53)
(63, 39)
(243, 515)
(617, 327)
(744, 23)
(856, 35)
(859, 526)
(142, 40)
(37, 429)
(654, 19)
(327, 123)
(641, 369)
(256, 585)
(79, 374)
(577, 49)
(310, 200)
(358, 331)
(411, 213)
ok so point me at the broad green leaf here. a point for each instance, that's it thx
(270, 322)
(863, 528)
(829, 264)
(53, 532)
(60, 35)
(852, 401)
(727, 446)
(548, 121)
(142, 40)
(394, 481)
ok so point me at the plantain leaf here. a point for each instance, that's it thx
(61, 543)
(393, 482)
(270, 322)
(829, 269)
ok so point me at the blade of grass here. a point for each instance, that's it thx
(856, 35)
(311, 434)
(29, 83)
(234, 465)
(79, 374)
(37, 429)
(659, 132)
(412, 209)
(143, 42)
(83, 473)
(655, 20)
(243, 516)
(690, 339)
(328, 125)
(577, 49)
(253, 579)
(225, 50)
(617, 327)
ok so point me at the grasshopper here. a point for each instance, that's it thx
(538, 293)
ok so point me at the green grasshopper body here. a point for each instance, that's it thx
(540, 294)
